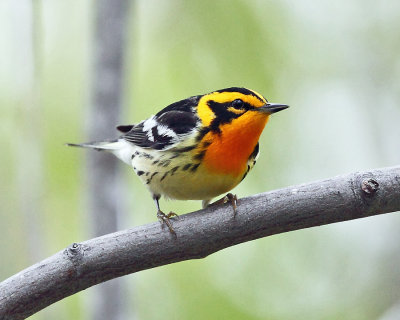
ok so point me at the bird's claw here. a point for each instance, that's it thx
(232, 198)
(165, 219)
(171, 214)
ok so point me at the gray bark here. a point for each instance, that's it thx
(105, 195)
(199, 234)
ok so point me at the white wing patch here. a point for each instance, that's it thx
(165, 131)
(148, 125)
(161, 132)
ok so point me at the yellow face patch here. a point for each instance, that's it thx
(204, 111)
(237, 111)
(207, 115)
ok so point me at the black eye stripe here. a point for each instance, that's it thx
(222, 114)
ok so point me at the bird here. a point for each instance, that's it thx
(194, 149)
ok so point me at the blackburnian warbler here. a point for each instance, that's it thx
(196, 148)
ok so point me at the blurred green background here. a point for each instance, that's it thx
(337, 65)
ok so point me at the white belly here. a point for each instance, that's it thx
(178, 177)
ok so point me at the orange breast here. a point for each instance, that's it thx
(229, 151)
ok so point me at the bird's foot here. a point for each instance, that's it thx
(232, 198)
(165, 219)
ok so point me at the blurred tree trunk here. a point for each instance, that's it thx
(105, 194)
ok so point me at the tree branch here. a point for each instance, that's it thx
(199, 234)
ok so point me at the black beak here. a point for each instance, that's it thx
(272, 108)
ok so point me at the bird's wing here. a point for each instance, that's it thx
(165, 130)
(125, 128)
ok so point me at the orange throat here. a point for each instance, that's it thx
(230, 150)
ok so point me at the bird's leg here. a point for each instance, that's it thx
(232, 198)
(164, 218)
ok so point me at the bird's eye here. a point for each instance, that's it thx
(237, 104)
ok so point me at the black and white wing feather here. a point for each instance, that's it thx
(165, 130)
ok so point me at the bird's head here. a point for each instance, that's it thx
(224, 106)
(232, 121)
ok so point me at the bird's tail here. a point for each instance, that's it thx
(119, 147)
(98, 145)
